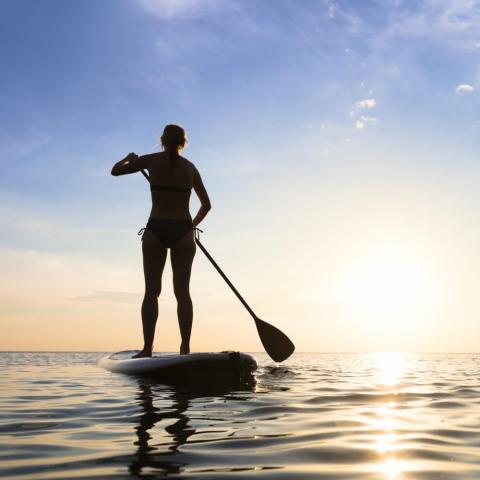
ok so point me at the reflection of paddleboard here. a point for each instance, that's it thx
(174, 367)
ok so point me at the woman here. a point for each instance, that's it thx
(169, 226)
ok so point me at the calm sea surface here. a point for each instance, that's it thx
(384, 416)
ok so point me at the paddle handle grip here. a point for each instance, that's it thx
(229, 283)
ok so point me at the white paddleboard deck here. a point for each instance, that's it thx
(175, 367)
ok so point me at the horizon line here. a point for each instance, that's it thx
(300, 352)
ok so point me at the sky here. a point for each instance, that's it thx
(338, 142)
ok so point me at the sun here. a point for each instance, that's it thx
(388, 280)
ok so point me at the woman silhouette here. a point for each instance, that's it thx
(170, 225)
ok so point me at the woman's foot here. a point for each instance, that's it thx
(143, 353)
(184, 350)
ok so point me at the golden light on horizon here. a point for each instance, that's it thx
(390, 369)
(388, 281)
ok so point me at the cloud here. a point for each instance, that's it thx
(332, 10)
(112, 297)
(459, 15)
(465, 87)
(361, 122)
(367, 103)
(168, 9)
(23, 144)
(28, 225)
(452, 22)
(34, 273)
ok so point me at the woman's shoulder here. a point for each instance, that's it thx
(189, 164)
(153, 157)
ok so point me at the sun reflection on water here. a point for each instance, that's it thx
(392, 468)
(390, 367)
(386, 443)
(389, 372)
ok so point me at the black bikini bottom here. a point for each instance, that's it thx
(169, 230)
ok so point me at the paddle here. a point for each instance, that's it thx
(275, 342)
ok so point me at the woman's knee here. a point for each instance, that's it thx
(182, 292)
(153, 292)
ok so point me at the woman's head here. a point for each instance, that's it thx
(173, 138)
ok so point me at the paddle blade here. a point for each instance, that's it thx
(275, 342)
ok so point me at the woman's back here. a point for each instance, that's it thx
(171, 182)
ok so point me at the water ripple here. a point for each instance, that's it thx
(367, 417)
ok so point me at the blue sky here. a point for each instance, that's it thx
(322, 129)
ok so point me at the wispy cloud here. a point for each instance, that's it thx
(458, 15)
(465, 87)
(112, 297)
(34, 274)
(332, 10)
(359, 125)
(367, 103)
(33, 226)
(174, 58)
(363, 121)
(24, 144)
(167, 9)
(453, 21)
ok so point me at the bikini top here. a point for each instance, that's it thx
(171, 189)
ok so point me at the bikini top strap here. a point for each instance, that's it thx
(169, 188)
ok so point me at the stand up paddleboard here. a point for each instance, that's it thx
(193, 367)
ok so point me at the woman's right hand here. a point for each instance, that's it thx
(130, 157)
(129, 164)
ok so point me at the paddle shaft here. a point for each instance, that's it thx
(219, 270)
(229, 283)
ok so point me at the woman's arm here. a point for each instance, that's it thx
(202, 194)
(130, 164)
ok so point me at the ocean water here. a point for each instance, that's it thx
(317, 416)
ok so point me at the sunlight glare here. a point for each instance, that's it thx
(392, 468)
(390, 367)
(388, 281)
(387, 442)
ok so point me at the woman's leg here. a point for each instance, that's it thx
(181, 256)
(154, 256)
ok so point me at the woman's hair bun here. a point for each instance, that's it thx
(173, 139)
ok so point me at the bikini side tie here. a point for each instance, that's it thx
(197, 232)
